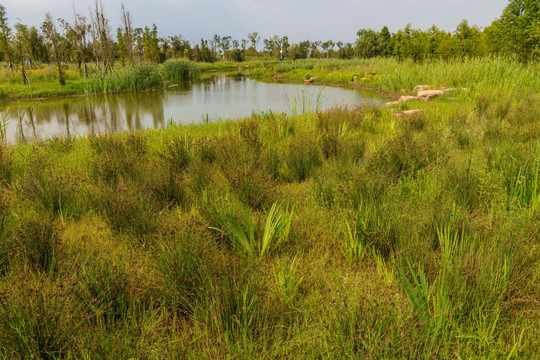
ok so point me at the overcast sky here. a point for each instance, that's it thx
(298, 19)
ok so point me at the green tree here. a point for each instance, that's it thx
(150, 44)
(5, 37)
(328, 48)
(225, 45)
(38, 48)
(493, 38)
(254, 38)
(121, 49)
(468, 40)
(366, 43)
(384, 41)
(518, 21)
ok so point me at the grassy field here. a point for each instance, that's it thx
(346, 234)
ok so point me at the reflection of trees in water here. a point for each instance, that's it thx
(111, 113)
(31, 120)
(20, 135)
(86, 115)
(66, 118)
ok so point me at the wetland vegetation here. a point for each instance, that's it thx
(338, 234)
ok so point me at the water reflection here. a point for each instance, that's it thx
(219, 98)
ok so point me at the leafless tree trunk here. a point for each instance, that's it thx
(127, 23)
(49, 29)
(101, 36)
(81, 28)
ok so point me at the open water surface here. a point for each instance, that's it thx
(212, 100)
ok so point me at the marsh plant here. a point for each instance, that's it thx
(252, 238)
(180, 70)
(303, 102)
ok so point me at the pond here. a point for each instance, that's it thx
(213, 100)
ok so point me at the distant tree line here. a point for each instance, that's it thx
(90, 39)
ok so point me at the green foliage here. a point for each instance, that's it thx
(287, 281)
(250, 238)
(179, 70)
(143, 76)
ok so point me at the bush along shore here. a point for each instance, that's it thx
(350, 233)
(136, 77)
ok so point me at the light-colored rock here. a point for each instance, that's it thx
(422, 87)
(407, 98)
(409, 113)
(391, 103)
(429, 94)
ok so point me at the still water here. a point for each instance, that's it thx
(212, 100)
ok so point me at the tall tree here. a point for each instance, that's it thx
(101, 36)
(5, 37)
(21, 40)
(127, 24)
(79, 34)
(254, 38)
(38, 48)
(518, 21)
(51, 33)
(151, 43)
(328, 47)
(215, 43)
(121, 46)
(225, 45)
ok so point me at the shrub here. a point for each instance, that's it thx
(137, 77)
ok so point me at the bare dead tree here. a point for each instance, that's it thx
(81, 29)
(127, 24)
(101, 36)
(51, 33)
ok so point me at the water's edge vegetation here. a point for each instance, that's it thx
(349, 233)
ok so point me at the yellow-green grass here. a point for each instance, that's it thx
(409, 237)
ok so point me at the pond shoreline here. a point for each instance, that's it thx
(167, 86)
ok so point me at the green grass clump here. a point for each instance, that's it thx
(253, 239)
(143, 76)
(179, 70)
